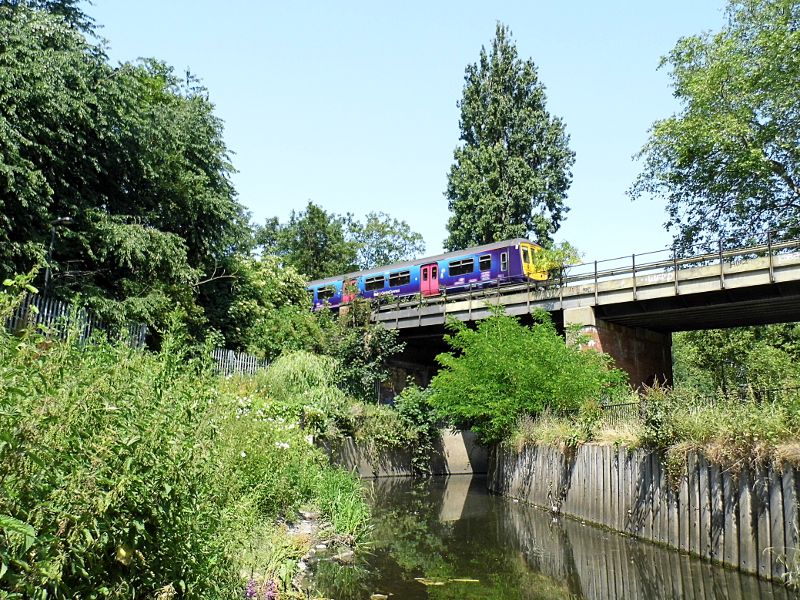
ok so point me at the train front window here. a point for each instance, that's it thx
(526, 255)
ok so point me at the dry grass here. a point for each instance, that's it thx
(621, 433)
(562, 432)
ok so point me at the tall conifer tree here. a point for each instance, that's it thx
(511, 174)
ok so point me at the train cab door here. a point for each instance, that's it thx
(429, 280)
(349, 291)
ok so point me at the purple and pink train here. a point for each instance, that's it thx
(489, 265)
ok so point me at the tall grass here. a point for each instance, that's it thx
(130, 474)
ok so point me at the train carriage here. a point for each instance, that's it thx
(472, 268)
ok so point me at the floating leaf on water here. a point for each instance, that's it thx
(427, 581)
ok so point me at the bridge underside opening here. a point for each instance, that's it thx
(719, 309)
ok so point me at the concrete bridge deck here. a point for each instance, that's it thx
(628, 310)
(746, 286)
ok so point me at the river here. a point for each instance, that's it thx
(449, 538)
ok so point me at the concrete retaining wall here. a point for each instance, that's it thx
(456, 453)
(748, 520)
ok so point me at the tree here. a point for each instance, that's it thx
(382, 240)
(313, 242)
(728, 164)
(730, 360)
(503, 370)
(320, 244)
(510, 177)
(133, 155)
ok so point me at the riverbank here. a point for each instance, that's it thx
(450, 537)
(124, 472)
(748, 520)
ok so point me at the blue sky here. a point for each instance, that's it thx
(353, 104)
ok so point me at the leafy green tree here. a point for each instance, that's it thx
(321, 244)
(268, 311)
(511, 174)
(758, 358)
(382, 240)
(69, 10)
(313, 242)
(502, 370)
(133, 155)
(728, 164)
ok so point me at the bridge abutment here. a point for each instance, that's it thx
(644, 354)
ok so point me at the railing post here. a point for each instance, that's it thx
(633, 265)
(675, 268)
(595, 283)
(721, 268)
(769, 254)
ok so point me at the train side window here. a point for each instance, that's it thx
(399, 278)
(324, 293)
(374, 283)
(433, 272)
(462, 267)
(486, 262)
(504, 261)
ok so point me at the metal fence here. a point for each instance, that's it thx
(60, 319)
(617, 413)
(229, 362)
(631, 411)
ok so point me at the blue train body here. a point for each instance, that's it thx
(483, 266)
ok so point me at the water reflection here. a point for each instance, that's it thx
(434, 538)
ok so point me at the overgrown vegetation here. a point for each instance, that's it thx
(502, 370)
(305, 388)
(125, 473)
(729, 430)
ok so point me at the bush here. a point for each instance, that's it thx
(128, 474)
(502, 370)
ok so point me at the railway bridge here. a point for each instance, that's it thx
(628, 306)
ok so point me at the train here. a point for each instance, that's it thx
(499, 263)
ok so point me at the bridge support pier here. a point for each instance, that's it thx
(644, 354)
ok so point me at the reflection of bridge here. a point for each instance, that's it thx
(629, 307)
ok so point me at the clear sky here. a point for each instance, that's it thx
(353, 104)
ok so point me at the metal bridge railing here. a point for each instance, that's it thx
(635, 266)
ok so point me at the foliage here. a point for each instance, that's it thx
(382, 240)
(320, 244)
(502, 370)
(729, 430)
(363, 350)
(124, 473)
(132, 154)
(421, 420)
(556, 259)
(755, 358)
(313, 242)
(510, 177)
(267, 307)
(727, 164)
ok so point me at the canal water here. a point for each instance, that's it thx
(449, 538)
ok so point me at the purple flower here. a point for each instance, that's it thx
(271, 590)
(250, 592)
